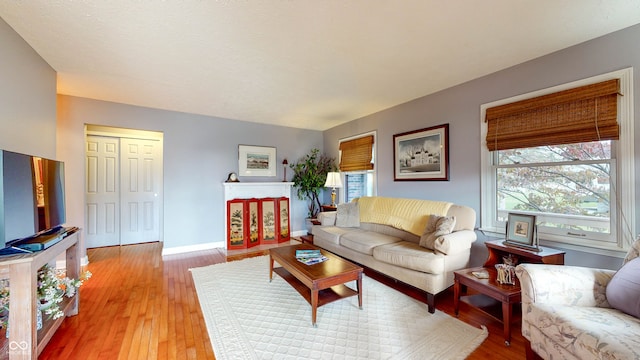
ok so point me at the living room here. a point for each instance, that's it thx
(200, 151)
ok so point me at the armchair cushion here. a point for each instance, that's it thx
(583, 332)
(623, 291)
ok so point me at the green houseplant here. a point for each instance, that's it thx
(309, 176)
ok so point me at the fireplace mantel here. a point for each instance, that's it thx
(248, 190)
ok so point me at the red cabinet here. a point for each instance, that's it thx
(284, 233)
(252, 222)
(237, 215)
(268, 221)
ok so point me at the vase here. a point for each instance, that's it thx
(38, 319)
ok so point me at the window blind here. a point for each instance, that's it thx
(582, 114)
(356, 154)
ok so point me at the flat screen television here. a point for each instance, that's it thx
(31, 196)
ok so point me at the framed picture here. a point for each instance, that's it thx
(422, 155)
(256, 160)
(521, 230)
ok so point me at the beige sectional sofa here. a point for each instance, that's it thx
(396, 237)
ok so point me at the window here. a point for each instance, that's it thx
(358, 184)
(357, 166)
(582, 193)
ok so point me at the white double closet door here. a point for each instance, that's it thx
(123, 185)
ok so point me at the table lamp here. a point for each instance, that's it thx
(333, 181)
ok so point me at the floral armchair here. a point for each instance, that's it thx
(566, 313)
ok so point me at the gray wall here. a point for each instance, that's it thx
(27, 98)
(460, 107)
(199, 152)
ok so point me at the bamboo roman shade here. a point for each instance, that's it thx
(356, 154)
(586, 113)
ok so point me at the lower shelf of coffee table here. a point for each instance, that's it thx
(325, 296)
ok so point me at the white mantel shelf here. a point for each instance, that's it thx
(251, 190)
(248, 190)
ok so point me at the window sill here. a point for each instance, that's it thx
(604, 249)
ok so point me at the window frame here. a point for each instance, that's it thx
(625, 173)
(374, 171)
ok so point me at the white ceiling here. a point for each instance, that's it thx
(299, 63)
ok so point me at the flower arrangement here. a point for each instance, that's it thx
(53, 286)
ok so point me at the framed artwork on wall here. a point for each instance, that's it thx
(256, 160)
(422, 155)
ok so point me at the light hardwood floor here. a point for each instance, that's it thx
(140, 305)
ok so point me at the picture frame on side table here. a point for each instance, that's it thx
(256, 160)
(521, 231)
(422, 155)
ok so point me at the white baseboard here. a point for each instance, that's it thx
(208, 246)
(192, 248)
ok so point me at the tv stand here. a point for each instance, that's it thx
(25, 341)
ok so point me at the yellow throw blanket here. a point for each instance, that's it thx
(405, 214)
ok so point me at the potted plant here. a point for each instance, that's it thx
(309, 176)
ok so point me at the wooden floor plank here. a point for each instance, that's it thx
(141, 305)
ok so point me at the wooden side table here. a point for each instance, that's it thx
(493, 298)
(498, 250)
(329, 208)
(307, 239)
(506, 295)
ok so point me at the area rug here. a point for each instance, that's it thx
(249, 317)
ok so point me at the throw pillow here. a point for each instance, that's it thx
(634, 252)
(348, 215)
(437, 226)
(623, 291)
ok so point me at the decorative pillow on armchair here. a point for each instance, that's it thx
(623, 291)
(437, 226)
(348, 215)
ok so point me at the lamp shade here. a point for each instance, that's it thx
(333, 180)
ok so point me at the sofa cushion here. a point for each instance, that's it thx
(411, 256)
(332, 233)
(623, 291)
(587, 332)
(437, 226)
(365, 241)
(348, 215)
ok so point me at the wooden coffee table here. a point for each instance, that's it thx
(319, 284)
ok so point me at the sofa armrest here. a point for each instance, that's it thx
(455, 242)
(327, 218)
(563, 285)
